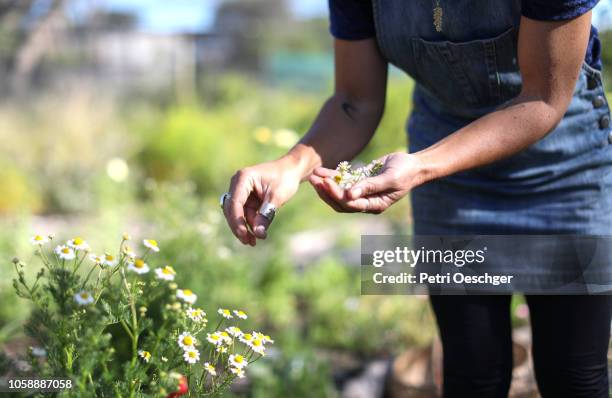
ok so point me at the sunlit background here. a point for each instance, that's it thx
(132, 115)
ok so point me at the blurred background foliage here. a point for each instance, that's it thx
(106, 126)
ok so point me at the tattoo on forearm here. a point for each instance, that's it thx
(349, 110)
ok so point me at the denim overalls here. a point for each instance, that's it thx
(561, 184)
(463, 58)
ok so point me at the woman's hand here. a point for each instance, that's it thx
(400, 173)
(272, 182)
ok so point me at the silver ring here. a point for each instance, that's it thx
(223, 198)
(268, 210)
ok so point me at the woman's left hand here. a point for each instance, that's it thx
(400, 173)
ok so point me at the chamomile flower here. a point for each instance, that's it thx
(39, 240)
(65, 253)
(151, 244)
(196, 314)
(257, 346)
(225, 313)
(98, 260)
(186, 340)
(78, 244)
(246, 338)
(238, 372)
(237, 361)
(83, 298)
(227, 339)
(167, 273)
(186, 295)
(215, 338)
(138, 266)
(210, 369)
(234, 331)
(221, 349)
(191, 355)
(164, 359)
(145, 355)
(109, 260)
(264, 338)
(128, 252)
(240, 314)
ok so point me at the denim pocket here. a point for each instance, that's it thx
(479, 73)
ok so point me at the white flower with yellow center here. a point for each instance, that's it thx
(215, 338)
(128, 252)
(240, 314)
(65, 253)
(257, 346)
(225, 313)
(222, 349)
(227, 339)
(78, 244)
(238, 372)
(186, 295)
(246, 338)
(234, 331)
(264, 338)
(167, 273)
(238, 361)
(83, 298)
(145, 355)
(109, 260)
(191, 355)
(138, 266)
(39, 240)
(98, 260)
(196, 314)
(151, 244)
(210, 369)
(186, 340)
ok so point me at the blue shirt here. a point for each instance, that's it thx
(354, 20)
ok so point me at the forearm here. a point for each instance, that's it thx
(341, 130)
(493, 137)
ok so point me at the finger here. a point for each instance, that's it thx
(372, 185)
(262, 223)
(334, 190)
(317, 184)
(324, 172)
(250, 210)
(240, 189)
(372, 204)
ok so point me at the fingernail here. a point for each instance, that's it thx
(260, 231)
(357, 192)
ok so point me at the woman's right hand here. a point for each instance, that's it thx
(272, 182)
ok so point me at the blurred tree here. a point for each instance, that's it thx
(249, 27)
(27, 30)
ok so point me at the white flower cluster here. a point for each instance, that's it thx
(347, 176)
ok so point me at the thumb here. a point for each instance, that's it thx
(369, 186)
(264, 216)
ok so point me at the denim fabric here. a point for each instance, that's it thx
(561, 184)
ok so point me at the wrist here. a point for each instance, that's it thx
(301, 159)
(426, 170)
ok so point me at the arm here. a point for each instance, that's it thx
(550, 56)
(343, 127)
(350, 117)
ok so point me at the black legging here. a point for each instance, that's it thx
(570, 345)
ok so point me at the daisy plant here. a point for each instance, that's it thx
(117, 329)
